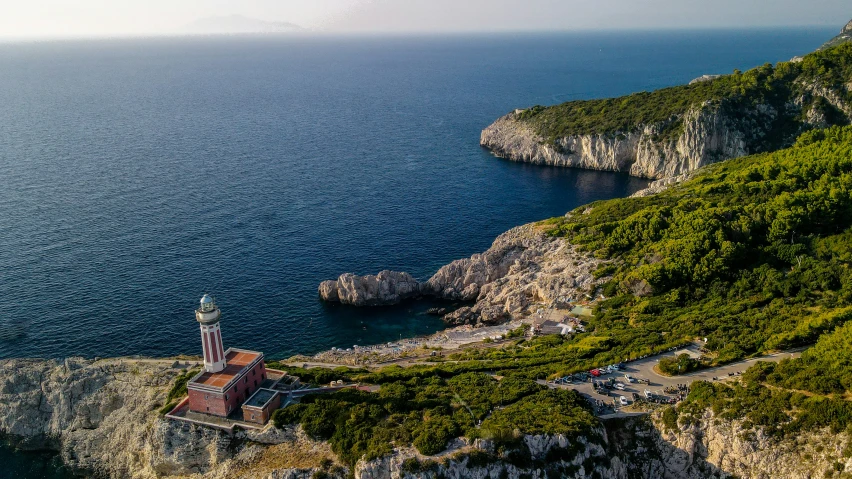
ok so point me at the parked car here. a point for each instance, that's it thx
(619, 386)
(595, 373)
(628, 378)
(648, 394)
(623, 400)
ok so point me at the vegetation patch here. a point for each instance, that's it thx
(738, 94)
(752, 254)
(178, 390)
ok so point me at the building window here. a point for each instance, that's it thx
(252, 416)
(255, 383)
(208, 408)
(245, 380)
(254, 372)
(262, 375)
(206, 396)
(227, 397)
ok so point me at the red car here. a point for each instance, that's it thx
(595, 372)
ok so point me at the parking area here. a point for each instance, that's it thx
(637, 380)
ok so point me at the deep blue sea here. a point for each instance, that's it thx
(136, 175)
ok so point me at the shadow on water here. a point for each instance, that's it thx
(16, 464)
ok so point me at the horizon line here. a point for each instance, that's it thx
(382, 33)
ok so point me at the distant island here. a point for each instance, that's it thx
(238, 24)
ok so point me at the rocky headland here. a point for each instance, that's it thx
(710, 129)
(524, 267)
(844, 36)
(709, 135)
(102, 416)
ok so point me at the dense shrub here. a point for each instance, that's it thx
(681, 364)
(738, 93)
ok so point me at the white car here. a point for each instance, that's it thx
(619, 386)
(648, 394)
(622, 400)
(628, 378)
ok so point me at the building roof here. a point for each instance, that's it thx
(260, 398)
(237, 361)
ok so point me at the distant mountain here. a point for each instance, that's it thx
(232, 24)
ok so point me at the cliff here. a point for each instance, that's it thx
(633, 447)
(102, 416)
(844, 37)
(709, 135)
(677, 130)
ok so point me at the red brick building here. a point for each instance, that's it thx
(260, 406)
(229, 377)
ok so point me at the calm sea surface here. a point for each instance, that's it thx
(136, 175)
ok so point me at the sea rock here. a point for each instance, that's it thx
(436, 311)
(385, 288)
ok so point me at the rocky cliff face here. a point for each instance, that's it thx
(844, 36)
(632, 448)
(708, 135)
(387, 287)
(523, 267)
(102, 416)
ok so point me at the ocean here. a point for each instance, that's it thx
(138, 174)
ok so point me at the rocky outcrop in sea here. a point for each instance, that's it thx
(523, 267)
(385, 288)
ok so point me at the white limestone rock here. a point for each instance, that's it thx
(385, 288)
(708, 136)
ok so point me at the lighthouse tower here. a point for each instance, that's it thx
(207, 316)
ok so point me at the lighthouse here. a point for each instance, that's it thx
(208, 315)
(230, 377)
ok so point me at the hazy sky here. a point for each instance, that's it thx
(116, 17)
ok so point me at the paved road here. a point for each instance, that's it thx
(644, 369)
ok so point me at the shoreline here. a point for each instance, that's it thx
(410, 349)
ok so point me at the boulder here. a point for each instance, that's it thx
(385, 288)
